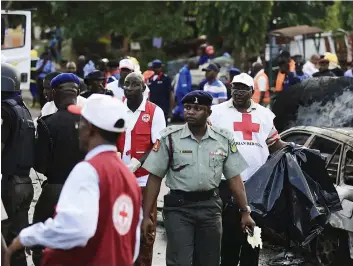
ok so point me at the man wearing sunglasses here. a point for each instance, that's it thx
(255, 136)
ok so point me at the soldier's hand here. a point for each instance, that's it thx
(147, 230)
(247, 221)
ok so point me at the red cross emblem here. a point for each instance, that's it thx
(123, 213)
(247, 127)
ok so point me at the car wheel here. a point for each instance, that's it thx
(330, 248)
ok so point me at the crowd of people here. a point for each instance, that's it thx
(103, 143)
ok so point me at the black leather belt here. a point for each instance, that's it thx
(196, 195)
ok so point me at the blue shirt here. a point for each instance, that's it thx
(113, 78)
(349, 73)
(217, 90)
(184, 82)
(48, 68)
(302, 77)
(290, 80)
(88, 68)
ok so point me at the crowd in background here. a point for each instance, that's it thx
(104, 74)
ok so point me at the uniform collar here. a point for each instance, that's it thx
(99, 149)
(187, 133)
(252, 107)
(142, 106)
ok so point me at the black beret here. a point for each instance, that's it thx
(95, 75)
(198, 97)
(64, 78)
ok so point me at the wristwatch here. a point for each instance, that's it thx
(246, 209)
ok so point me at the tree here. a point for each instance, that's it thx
(243, 24)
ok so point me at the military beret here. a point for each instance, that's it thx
(95, 75)
(198, 97)
(64, 78)
(156, 63)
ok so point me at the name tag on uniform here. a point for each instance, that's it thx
(221, 153)
(187, 151)
(159, 82)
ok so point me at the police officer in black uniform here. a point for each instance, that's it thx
(161, 90)
(17, 150)
(57, 148)
(95, 84)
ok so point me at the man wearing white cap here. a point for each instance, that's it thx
(98, 215)
(126, 66)
(255, 136)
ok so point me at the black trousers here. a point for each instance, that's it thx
(193, 233)
(235, 248)
(44, 209)
(16, 194)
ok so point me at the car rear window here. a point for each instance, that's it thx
(297, 138)
(331, 150)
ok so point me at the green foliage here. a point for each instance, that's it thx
(242, 23)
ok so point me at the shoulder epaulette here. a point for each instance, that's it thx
(224, 132)
(171, 129)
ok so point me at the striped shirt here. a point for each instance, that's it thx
(217, 90)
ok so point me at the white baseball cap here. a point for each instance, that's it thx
(103, 111)
(126, 63)
(244, 79)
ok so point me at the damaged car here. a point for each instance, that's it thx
(335, 244)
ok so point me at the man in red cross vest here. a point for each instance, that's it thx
(98, 215)
(145, 122)
(255, 136)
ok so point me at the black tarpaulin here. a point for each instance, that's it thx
(292, 193)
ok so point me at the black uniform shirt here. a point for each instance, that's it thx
(8, 121)
(57, 147)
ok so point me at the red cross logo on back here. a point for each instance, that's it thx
(247, 127)
(123, 213)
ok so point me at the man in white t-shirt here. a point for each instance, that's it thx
(145, 121)
(255, 136)
(126, 66)
(310, 66)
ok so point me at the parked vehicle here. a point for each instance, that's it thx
(335, 244)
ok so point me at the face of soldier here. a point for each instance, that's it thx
(196, 114)
(133, 87)
(241, 94)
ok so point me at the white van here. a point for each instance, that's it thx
(16, 42)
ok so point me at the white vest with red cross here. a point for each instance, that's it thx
(251, 131)
(141, 136)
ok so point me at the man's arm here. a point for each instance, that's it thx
(152, 190)
(42, 148)
(274, 141)
(232, 167)
(157, 165)
(77, 213)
